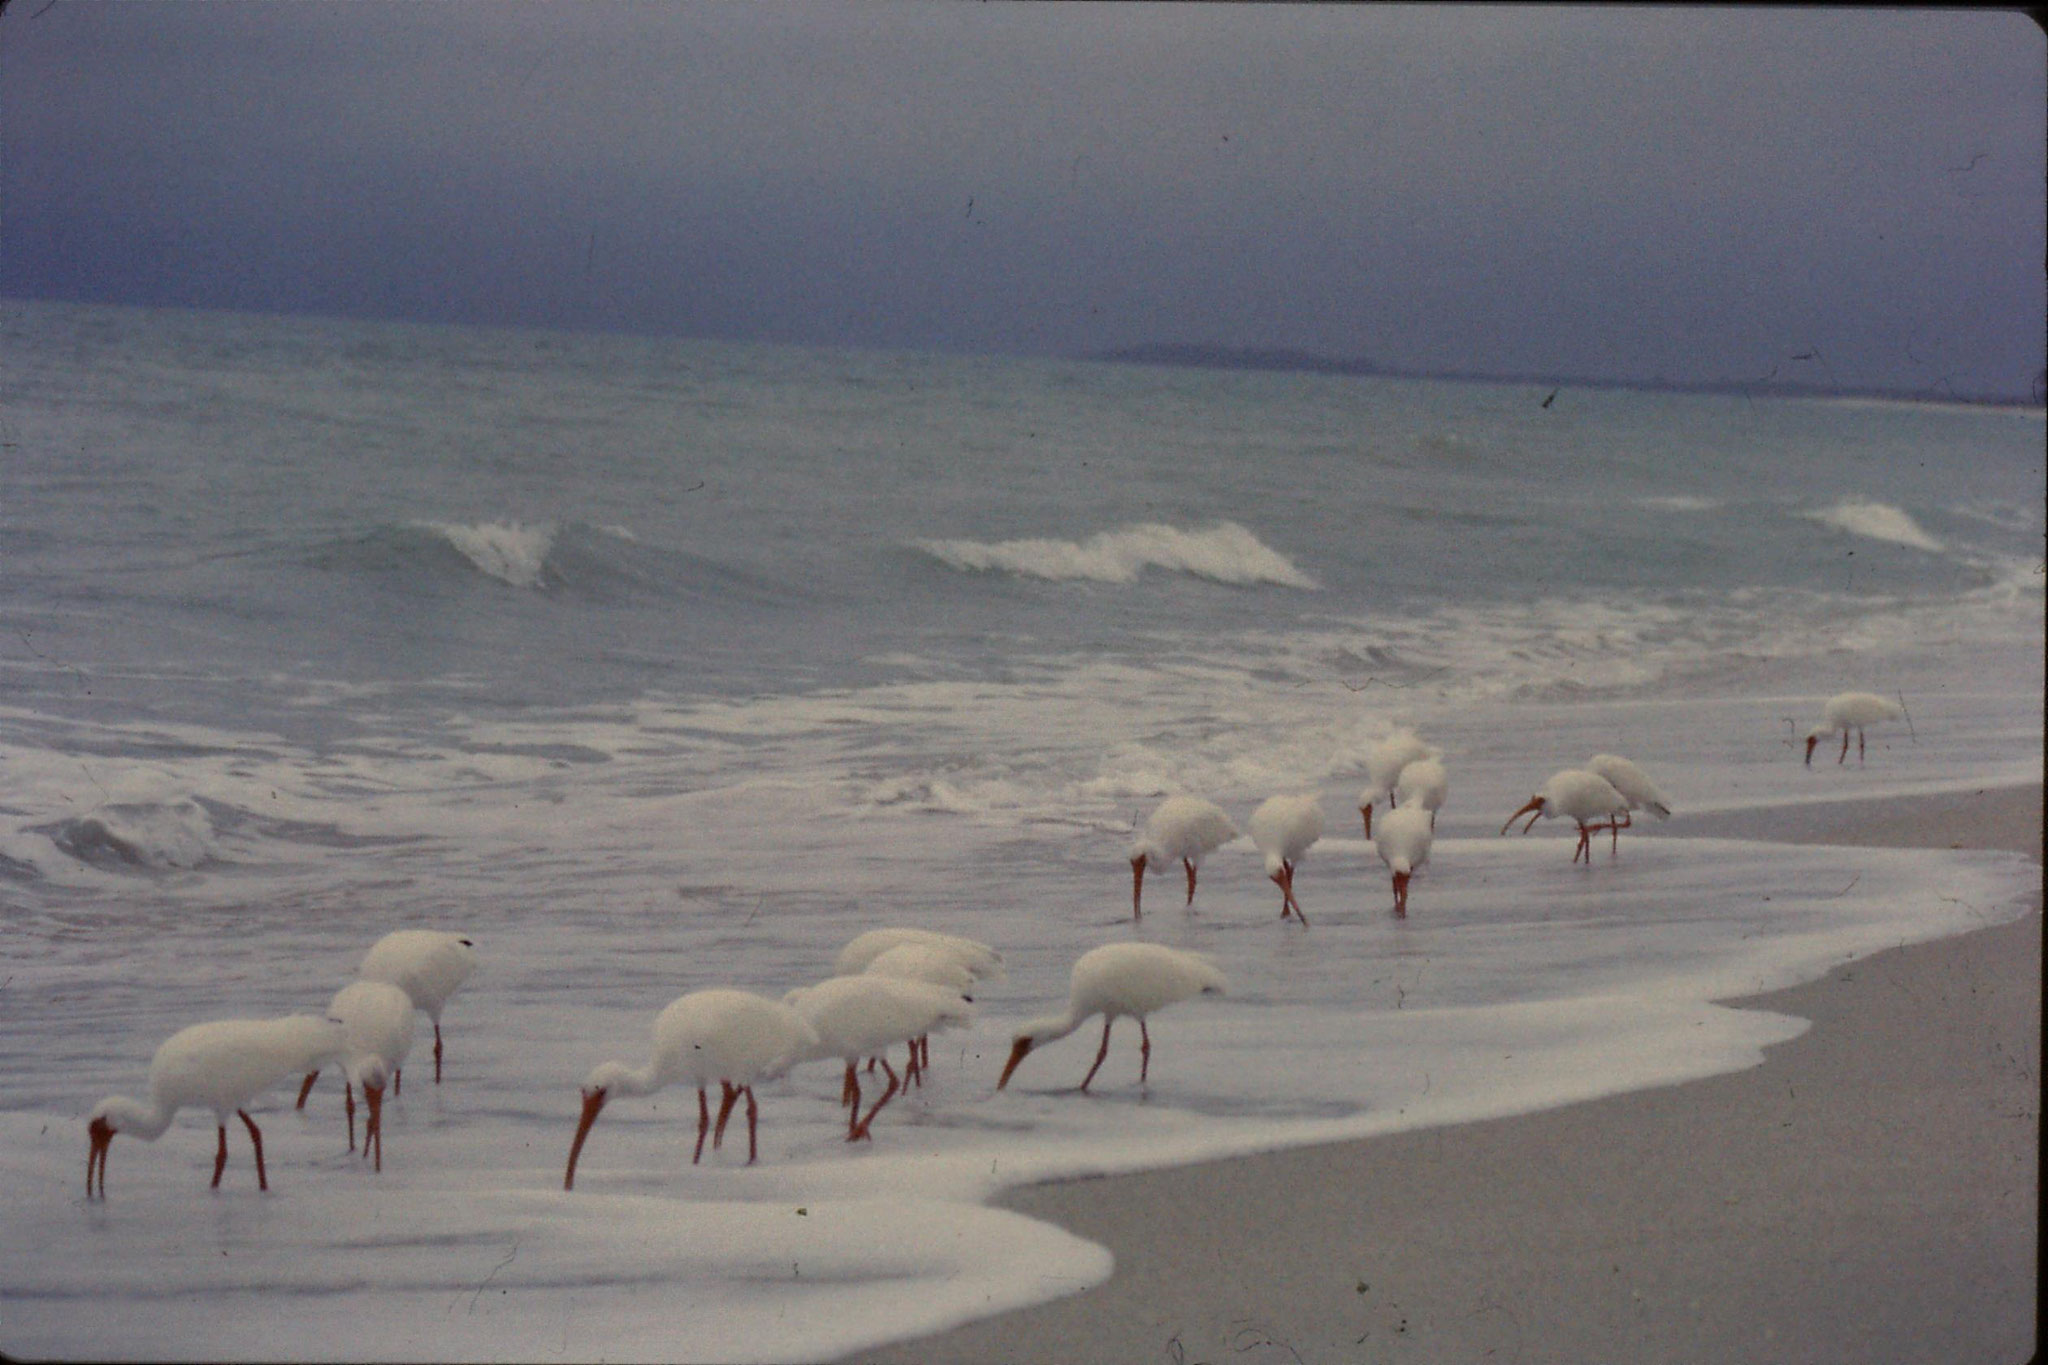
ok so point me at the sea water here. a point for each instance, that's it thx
(654, 665)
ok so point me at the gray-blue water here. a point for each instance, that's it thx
(657, 665)
(207, 514)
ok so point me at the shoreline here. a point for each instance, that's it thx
(1869, 1193)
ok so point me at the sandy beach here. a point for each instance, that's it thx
(1868, 1194)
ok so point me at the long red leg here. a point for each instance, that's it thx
(373, 1127)
(348, 1095)
(912, 1072)
(1299, 913)
(1189, 864)
(861, 1131)
(220, 1157)
(1845, 748)
(853, 1103)
(256, 1140)
(398, 1079)
(753, 1116)
(1144, 1050)
(1859, 744)
(437, 1052)
(703, 1125)
(730, 1097)
(1100, 1054)
(1615, 826)
(306, 1088)
(849, 1089)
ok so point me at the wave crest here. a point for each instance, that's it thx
(1224, 553)
(146, 837)
(510, 551)
(1875, 521)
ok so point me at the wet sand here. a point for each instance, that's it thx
(1868, 1194)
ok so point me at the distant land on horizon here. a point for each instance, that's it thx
(1196, 355)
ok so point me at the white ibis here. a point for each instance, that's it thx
(1118, 979)
(862, 1016)
(1424, 783)
(1851, 711)
(934, 964)
(1383, 765)
(733, 1037)
(219, 1066)
(376, 1026)
(1283, 828)
(1184, 828)
(427, 964)
(1635, 787)
(985, 962)
(1403, 845)
(981, 961)
(1581, 795)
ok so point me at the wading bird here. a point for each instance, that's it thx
(1424, 783)
(985, 962)
(219, 1066)
(1383, 765)
(1117, 979)
(1851, 711)
(982, 962)
(862, 1016)
(1635, 787)
(1184, 828)
(427, 964)
(1581, 795)
(733, 1037)
(1284, 828)
(376, 1027)
(1403, 845)
(934, 965)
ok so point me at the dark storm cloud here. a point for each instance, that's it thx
(1699, 194)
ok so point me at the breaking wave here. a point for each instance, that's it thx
(1224, 553)
(1875, 521)
(142, 837)
(510, 551)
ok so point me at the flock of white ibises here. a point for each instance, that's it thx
(891, 986)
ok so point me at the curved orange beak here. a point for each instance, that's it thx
(593, 1100)
(1017, 1051)
(1535, 805)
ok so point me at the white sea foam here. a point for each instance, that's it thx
(510, 551)
(1225, 553)
(1683, 502)
(466, 1240)
(1875, 521)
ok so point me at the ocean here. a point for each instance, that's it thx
(655, 665)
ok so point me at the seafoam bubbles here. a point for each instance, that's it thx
(1223, 553)
(510, 551)
(1875, 521)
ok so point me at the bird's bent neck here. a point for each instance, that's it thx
(616, 1078)
(1053, 1026)
(124, 1115)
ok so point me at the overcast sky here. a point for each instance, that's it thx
(1837, 196)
